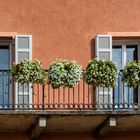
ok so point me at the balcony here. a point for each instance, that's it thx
(81, 98)
(67, 109)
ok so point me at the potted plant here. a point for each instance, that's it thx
(27, 71)
(64, 73)
(101, 73)
(131, 73)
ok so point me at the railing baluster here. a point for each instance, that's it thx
(103, 97)
(98, 98)
(18, 96)
(123, 95)
(53, 98)
(83, 94)
(88, 96)
(64, 97)
(73, 98)
(43, 94)
(8, 90)
(78, 94)
(28, 97)
(128, 97)
(109, 103)
(48, 96)
(38, 94)
(119, 89)
(23, 103)
(59, 98)
(3, 91)
(68, 98)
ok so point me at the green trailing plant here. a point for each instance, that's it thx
(131, 73)
(27, 71)
(64, 73)
(101, 73)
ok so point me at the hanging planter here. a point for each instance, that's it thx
(64, 73)
(131, 73)
(27, 71)
(101, 73)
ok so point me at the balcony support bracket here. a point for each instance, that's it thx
(36, 130)
(102, 129)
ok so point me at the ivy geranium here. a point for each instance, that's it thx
(64, 73)
(27, 71)
(131, 73)
(101, 73)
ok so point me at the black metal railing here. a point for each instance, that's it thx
(83, 97)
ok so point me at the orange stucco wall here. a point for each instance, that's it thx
(66, 28)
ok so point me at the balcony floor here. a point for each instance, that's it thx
(22, 121)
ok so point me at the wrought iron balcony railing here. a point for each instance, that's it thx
(83, 97)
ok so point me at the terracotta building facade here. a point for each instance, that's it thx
(74, 30)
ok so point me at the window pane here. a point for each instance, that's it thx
(4, 58)
(131, 53)
(22, 55)
(23, 42)
(117, 56)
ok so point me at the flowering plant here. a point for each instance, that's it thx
(64, 73)
(27, 71)
(74, 74)
(101, 73)
(131, 73)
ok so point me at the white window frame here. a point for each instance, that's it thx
(124, 43)
(9, 44)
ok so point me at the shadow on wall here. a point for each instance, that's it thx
(92, 44)
(122, 136)
(67, 136)
(14, 136)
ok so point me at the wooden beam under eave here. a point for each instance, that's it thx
(37, 129)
